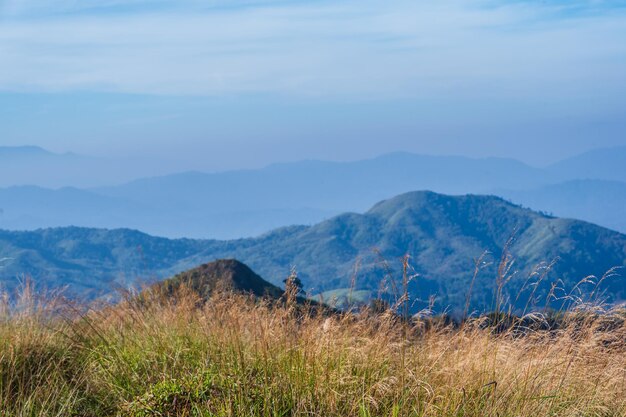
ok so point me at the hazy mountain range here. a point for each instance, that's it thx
(246, 203)
(442, 234)
(32, 165)
(596, 201)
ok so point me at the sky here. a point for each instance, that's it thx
(216, 85)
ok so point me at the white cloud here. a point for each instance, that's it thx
(400, 48)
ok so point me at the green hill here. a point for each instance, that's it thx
(442, 234)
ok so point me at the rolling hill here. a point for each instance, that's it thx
(443, 234)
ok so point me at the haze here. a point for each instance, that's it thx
(240, 84)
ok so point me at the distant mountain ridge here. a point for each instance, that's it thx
(598, 164)
(23, 151)
(36, 166)
(442, 234)
(334, 185)
(601, 202)
(217, 205)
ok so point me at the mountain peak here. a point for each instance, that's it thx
(416, 200)
(222, 274)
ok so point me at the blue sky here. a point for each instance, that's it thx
(230, 84)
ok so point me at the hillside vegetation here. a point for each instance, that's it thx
(236, 355)
(443, 235)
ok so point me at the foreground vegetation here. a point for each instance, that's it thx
(236, 356)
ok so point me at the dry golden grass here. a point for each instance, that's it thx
(234, 356)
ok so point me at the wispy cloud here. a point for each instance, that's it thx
(413, 48)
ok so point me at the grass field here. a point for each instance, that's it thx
(235, 356)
